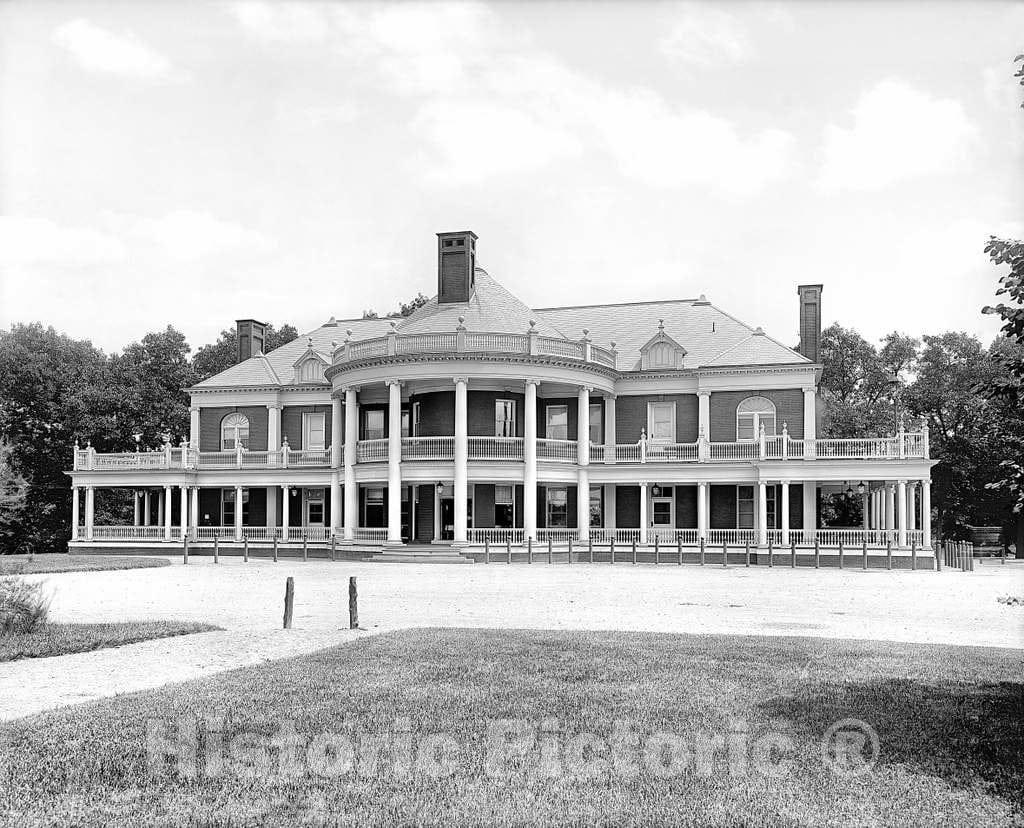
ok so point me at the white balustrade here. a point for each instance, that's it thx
(495, 536)
(503, 342)
(428, 448)
(496, 448)
(426, 343)
(125, 533)
(737, 537)
(309, 457)
(261, 533)
(733, 451)
(551, 346)
(602, 535)
(560, 450)
(211, 532)
(368, 348)
(373, 534)
(216, 460)
(670, 453)
(671, 537)
(558, 535)
(373, 451)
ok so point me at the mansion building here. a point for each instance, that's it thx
(477, 418)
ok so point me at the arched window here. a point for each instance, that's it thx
(751, 414)
(312, 371)
(234, 431)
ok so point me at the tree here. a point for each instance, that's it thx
(222, 354)
(404, 308)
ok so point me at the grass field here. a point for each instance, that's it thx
(425, 703)
(62, 639)
(44, 564)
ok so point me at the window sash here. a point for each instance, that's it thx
(596, 507)
(557, 507)
(314, 431)
(597, 424)
(557, 422)
(373, 424)
(744, 507)
(502, 495)
(504, 418)
(661, 422)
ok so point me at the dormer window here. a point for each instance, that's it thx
(312, 371)
(661, 352)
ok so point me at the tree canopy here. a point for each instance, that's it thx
(222, 354)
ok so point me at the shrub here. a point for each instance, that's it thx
(23, 606)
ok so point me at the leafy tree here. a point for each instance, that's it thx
(404, 308)
(222, 354)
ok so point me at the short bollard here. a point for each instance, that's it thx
(938, 557)
(656, 550)
(913, 554)
(611, 548)
(725, 554)
(840, 553)
(792, 554)
(529, 550)
(888, 556)
(771, 552)
(590, 549)
(702, 551)
(353, 605)
(275, 550)
(305, 548)
(184, 548)
(817, 554)
(551, 556)
(679, 550)
(570, 550)
(508, 550)
(746, 561)
(334, 547)
(634, 551)
(289, 602)
(487, 550)
(864, 554)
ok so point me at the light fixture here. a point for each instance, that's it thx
(294, 491)
(861, 488)
(440, 487)
(655, 491)
(849, 492)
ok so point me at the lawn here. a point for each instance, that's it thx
(414, 717)
(62, 639)
(47, 563)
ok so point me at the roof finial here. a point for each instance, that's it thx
(758, 331)
(334, 344)
(348, 334)
(586, 332)
(394, 325)
(309, 341)
(661, 325)
(533, 324)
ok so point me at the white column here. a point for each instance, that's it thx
(704, 414)
(74, 512)
(610, 492)
(901, 511)
(876, 509)
(273, 426)
(167, 512)
(160, 507)
(926, 511)
(395, 461)
(194, 512)
(336, 508)
(285, 512)
(137, 506)
(643, 514)
(193, 427)
(583, 502)
(337, 436)
(351, 447)
(90, 509)
(810, 508)
(184, 511)
(146, 508)
(912, 505)
(890, 507)
(866, 517)
(810, 423)
(238, 513)
(461, 459)
(609, 426)
(702, 510)
(785, 512)
(530, 462)
(437, 512)
(762, 513)
(583, 426)
(271, 506)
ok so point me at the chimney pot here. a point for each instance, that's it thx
(456, 266)
(251, 337)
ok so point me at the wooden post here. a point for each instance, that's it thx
(305, 547)
(353, 605)
(275, 550)
(289, 602)
(529, 550)
(334, 547)
(657, 550)
(725, 554)
(702, 551)
(888, 556)
(913, 554)
(938, 557)
(747, 560)
(679, 550)
(771, 551)
(864, 554)
(508, 550)
(840, 553)
(634, 551)
(184, 547)
(792, 554)
(611, 548)
(817, 553)
(590, 549)
(487, 550)
(570, 550)
(550, 553)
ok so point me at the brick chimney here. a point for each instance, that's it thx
(810, 321)
(456, 263)
(252, 338)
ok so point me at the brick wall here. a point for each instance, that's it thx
(686, 507)
(789, 409)
(722, 509)
(631, 416)
(483, 505)
(437, 413)
(627, 507)
(210, 420)
(480, 412)
(542, 421)
(291, 423)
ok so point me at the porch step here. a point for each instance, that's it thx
(422, 553)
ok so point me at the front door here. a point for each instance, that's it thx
(662, 507)
(314, 507)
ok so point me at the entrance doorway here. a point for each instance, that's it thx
(314, 507)
(663, 507)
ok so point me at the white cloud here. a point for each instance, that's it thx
(284, 22)
(706, 36)
(38, 241)
(99, 50)
(898, 132)
(190, 236)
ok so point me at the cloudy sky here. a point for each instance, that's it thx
(190, 163)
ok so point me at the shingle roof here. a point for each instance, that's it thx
(710, 336)
(491, 309)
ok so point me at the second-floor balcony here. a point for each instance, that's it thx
(904, 446)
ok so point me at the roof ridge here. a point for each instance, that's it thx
(619, 304)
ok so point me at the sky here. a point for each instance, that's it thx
(194, 163)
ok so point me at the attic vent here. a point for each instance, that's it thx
(661, 352)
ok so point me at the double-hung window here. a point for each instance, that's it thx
(557, 422)
(744, 507)
(373, 424)
(313, 431)
(504, 507)
(596, 424)
(557, 507)
(661, 422)
(596, 507)
(228, 505)
(753, 413)
(234, 432)
(504, 418)
(373, 507)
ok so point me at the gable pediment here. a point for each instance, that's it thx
(661, 352)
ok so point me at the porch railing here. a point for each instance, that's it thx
(731, 536)
(129, 532)
(428, 448)
(372, 451)
(496, 448)
(495, 536)
(374, 534)
(558, 535)
(560, 450)
(604, 535)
